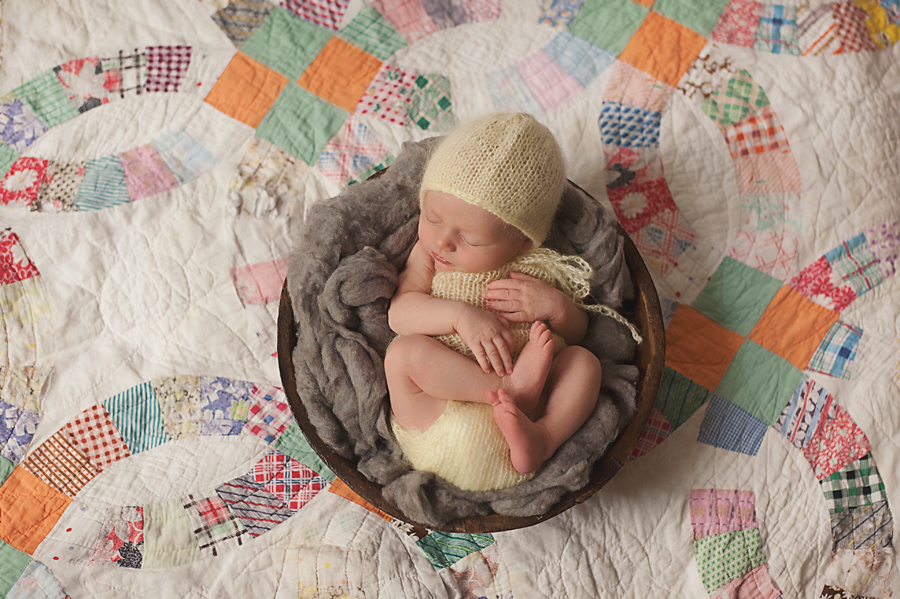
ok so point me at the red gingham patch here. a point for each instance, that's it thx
(755, 135)
(836, 444)
(851, 27)
(213, 510)
(327, 13)
(59, 464)
(166, 67)
(94, 433)
(15, 265)
(656, 431)
(269, 414)
(306, 493)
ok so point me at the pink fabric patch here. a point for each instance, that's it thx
(755, 584)
(638, 193)
(656, 431)
(259, 283)
(23, 181)
(550, 85)
(94, 433)
(269, 415)
(835, 445)
(326, 13)
(354, 150)
(408, 17)
(772, 252)
(482, 10)
(714, 511)
(739, 23)
(631, 86)
(15, 265)
(146, 173)
(769, 172)
(666, 236)
(388, 96)
(816, 282)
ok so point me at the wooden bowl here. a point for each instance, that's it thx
(644, 311)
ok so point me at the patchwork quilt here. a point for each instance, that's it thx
(156, 161)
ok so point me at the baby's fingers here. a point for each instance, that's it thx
(481, 358)
(503, 344)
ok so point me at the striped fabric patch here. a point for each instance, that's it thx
(855, 264)
(104, 184)
(855, 485)
(679, 397)
(724, 557)
(581, 60)
(256, 508)
(817, 30)
(48, 99)
(184, 155)
(717, 511)
(810, 408)
(727, 426)
(146, 173)
(862, 527)
(138, 417)
(443, 549)
(59, 464)
(240, 19)
(371, 32)
(628, 126)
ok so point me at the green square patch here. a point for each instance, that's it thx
(699, 16)
(286, 43)
(608, 24)
(301, 123)
(444, 549)
(727, 556)
(6, 468)
(679, 397)
(48, 98)
(371, 32)
(169, 538)
(293, 443)
(759, 381)
(736, 296)
(7, 157)
(12, 563)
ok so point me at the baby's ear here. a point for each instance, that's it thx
(527, 245)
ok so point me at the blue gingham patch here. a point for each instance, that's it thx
(727, 426)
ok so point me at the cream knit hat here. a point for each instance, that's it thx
(507, 163)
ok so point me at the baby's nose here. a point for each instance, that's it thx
(443, 240)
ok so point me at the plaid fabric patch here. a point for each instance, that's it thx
(146, 173)
(19, 124)
(727, 426)
(740, 98)
(138, 417)
(738, 23)
(654, 433)
(628, 126)
(269, 414)
(510, 92)
(549, 83)
(293, 483)
(271, 465)
(326, 13)
(679, 397)
(430, 107)
(17, 428)
(837, 351)
(558, 13)
(716, 511)
(809, 409)
(837, 443)
(725, 557)
(60, 188)
(166, 67)
(855, 485)
(755, 135)
(855, 264)
(225, 404)
(184, 155)
(443, 549)
(95, 435)
(15, 265)
(179, 400)
(240, 19)
(215, 527)
(816, 282)
(354, 150)
(22, 183)
(862, 527)
(389, 95)
(478, 11)
(664, 239)
(371, 32)
(817, 31)
(104, 184)
(256, 508)
(777, 31)
(60, 465)
(850, 21)
(130, 69)
(577, 57)
(884, 242)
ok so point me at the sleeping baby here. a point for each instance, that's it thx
(486, 377)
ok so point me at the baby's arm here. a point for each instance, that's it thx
(414, 311)
(525, 299)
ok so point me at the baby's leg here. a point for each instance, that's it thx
(574, 384)
(422, 373)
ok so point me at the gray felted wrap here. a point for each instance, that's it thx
(341, 276)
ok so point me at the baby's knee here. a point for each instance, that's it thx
(586, 363)
(402, 353)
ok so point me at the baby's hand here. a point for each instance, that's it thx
(524, 299)
(488, 336)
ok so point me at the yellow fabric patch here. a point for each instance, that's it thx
(699, 348)
(246, 90)
(663, 48)
(29, 509)
(881, 28)
(340, 74)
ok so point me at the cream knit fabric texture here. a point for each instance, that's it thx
(506, 163)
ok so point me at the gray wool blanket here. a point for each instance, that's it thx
(341, 276)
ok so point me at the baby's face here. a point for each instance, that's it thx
(463, 237)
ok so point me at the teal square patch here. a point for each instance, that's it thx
(608, 24)
(699, 16)
(301, 123)
(7, 157)
(444, 549)
(736, 296)
(6, 468)
(679, 397)
(371, 32)
(760, 382)
(12, 563)
(48, 98)
(286, 43)
(293, 443)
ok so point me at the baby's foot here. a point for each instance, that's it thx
(529, 374)
(527, 443)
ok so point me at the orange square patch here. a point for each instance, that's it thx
(793, 326)
(699, 348)
(246, 90)
(663, 48)
(340, 74)
(29, 509)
